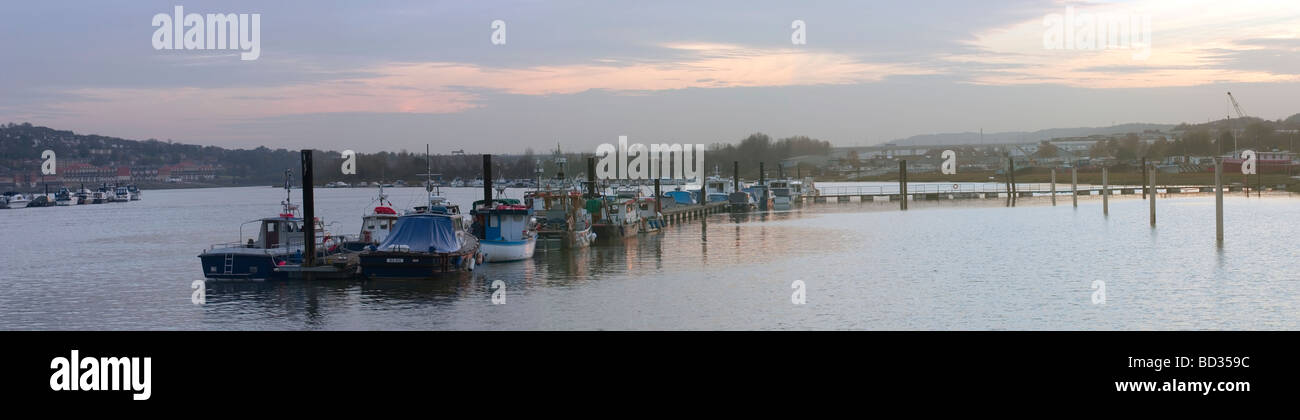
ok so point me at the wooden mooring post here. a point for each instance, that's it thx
(1152, 196)
(1105, 191)
(1218, 200)
(902, 184)
(1074, 185)
(1053, 187)
(1144, 177)
(308, 212)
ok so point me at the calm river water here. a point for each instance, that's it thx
(965, 264)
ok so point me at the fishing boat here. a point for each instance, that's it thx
(134, 191)
(717, 185)
(420, 246)
(426, 241)
(740, 202)
(506, 229)
(651, 221)
(375, 224)
(781, 198)
(280, 241)
(762, 196)
(562, 217)
(616, 218)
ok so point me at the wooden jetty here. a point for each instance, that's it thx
(979, 191)
(684, 213)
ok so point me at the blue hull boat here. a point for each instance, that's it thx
(422, 245)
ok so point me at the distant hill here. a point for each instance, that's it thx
(1023, 136)
(21, 146)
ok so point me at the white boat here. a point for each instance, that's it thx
(782, 197)
(651, 220)
(477, 183)
(718, 185)
(135, 192)
(17, 201)
(120, 195)
(375, 225)
(507, 230)
(101, 196)
(84, 196)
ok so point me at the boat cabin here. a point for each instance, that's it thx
(278, 232)
(376, 226)
(621, 211)
(508, 221)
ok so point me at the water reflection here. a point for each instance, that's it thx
(966, 264)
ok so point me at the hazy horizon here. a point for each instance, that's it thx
(397, 75)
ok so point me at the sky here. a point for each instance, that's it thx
(396, 75)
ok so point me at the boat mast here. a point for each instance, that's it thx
(288, 193)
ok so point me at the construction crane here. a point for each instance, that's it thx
(1240, 115)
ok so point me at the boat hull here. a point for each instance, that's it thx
(413, 265)
(568, 239)
(612, 232)
(236, 266)
(504, 251)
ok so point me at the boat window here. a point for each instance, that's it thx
(270, 227)
(494, 221)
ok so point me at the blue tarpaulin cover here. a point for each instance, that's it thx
(681, 197)
(423, 233)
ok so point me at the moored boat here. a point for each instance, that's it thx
(280, 241)
(562, 217)
(651, 221)
(64, 198)
(616, 218)
(507, 230)
(375, 225)
(421, 245)
(120, 195)
(15, 201)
